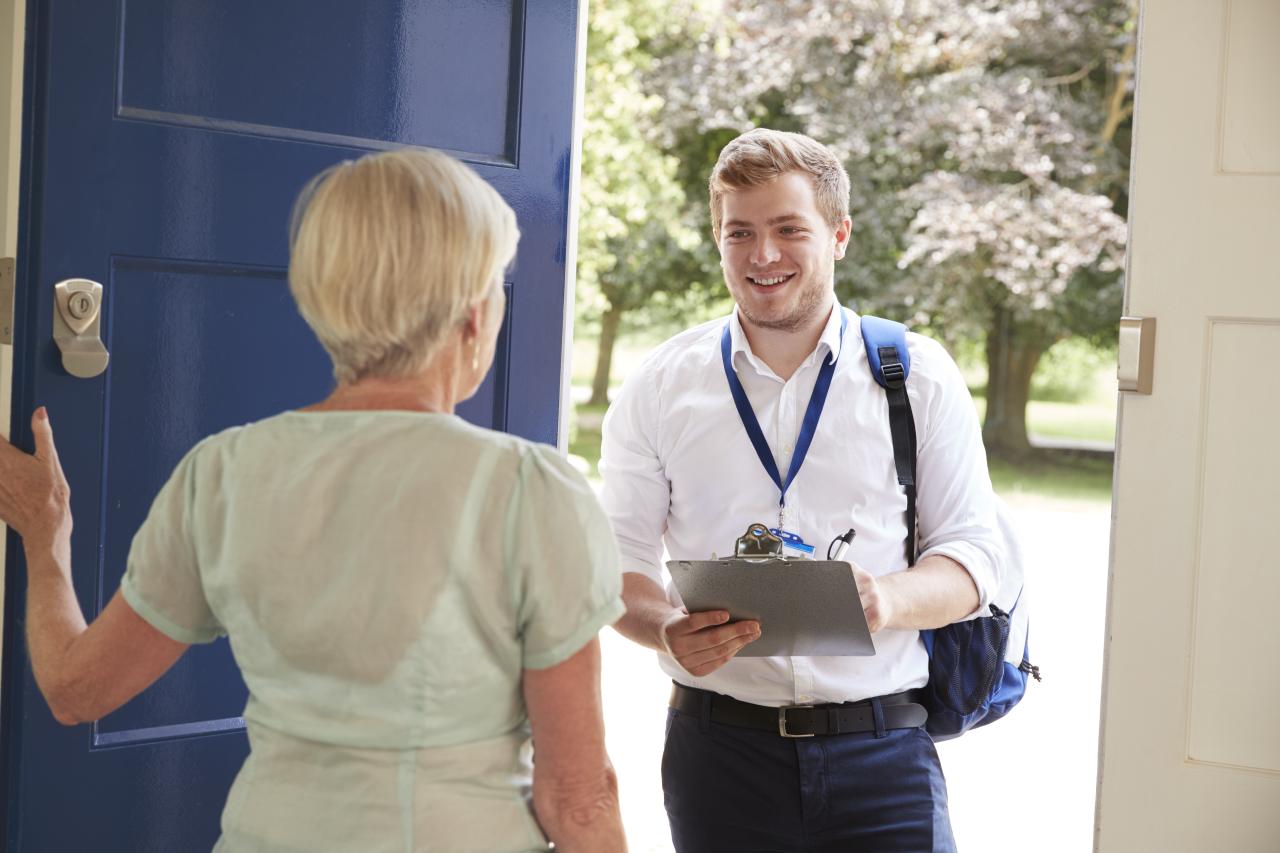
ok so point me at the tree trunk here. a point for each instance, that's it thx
(609, 324)
(1013, 351)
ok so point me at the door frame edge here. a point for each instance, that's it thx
(571, 235)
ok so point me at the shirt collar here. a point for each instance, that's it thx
(830, 338)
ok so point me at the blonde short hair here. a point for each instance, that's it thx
(761, 155)
(387, 252)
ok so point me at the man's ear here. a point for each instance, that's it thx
(844, 230)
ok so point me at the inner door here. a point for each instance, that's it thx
(1190, 756)
(164, 143)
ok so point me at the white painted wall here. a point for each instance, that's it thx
(12, 15)
(12, 20)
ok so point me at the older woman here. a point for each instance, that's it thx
(406, 595)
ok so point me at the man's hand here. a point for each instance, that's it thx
(34, 497)
(877, 603)
(702, 643)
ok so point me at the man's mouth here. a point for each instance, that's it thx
(771, 280)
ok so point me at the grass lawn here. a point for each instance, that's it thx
(1091, 421)
(1071, 479)
(584, 435)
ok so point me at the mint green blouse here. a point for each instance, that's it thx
(383, 578)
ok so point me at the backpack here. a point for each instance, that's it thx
(978, 668)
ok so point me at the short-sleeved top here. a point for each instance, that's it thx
(383, 578)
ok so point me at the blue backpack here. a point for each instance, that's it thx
(977, 668)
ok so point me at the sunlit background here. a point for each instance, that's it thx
(988, 148)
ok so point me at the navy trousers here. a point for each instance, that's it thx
(751, 791)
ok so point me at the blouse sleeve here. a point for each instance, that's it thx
(563, 561)
(162, 582)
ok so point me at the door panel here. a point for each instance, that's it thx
(1235, 599)
(168, 316)
(348, 79)
(164, 145)
(1190, 758)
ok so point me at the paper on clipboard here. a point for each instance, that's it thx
(805, 608)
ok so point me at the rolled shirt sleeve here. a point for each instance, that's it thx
(563, 559)
(637, 493)
(162, 582)
(958, 512)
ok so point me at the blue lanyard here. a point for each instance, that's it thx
(807, 427)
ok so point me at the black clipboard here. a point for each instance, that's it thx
(806, 608)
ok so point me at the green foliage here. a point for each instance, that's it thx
(987, 145)
(1068, 372)
(638, 243)
(1072, 371)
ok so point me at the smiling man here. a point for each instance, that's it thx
(680, 468)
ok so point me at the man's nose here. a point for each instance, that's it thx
(765, 252)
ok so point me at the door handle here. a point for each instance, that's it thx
(1137, 354)
(76, 326)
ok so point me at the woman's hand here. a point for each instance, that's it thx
(34, 497)
(85, 672)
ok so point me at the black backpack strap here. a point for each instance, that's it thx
(886, 344)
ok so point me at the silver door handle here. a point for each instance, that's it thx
(1137, 354)
(76, 326)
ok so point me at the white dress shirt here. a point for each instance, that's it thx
(678, 466)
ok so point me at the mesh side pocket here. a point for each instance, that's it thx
(966, 662)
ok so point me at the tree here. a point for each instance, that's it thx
(637, 247)
(986, 143)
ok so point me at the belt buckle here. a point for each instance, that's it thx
(782, 719)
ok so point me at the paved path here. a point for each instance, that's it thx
(1026, 783)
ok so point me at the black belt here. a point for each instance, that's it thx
(898, 711)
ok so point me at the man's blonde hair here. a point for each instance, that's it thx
(389, 251)
(761, 155)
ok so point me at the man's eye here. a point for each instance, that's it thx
(791, 229)
(737, 235)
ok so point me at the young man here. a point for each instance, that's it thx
(678, 465)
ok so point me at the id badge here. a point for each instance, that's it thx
(792, 545)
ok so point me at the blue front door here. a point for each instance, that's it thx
(164, 142)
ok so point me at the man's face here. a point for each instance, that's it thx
(779, 252)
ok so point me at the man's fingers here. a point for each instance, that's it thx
(864, 580)
(704, 619)
(710, 666)
(720, 651)
(708, 638)
(719, 644)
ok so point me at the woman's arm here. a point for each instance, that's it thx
(575, 790)
(84, 672)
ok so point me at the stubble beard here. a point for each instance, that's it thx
(812, 301)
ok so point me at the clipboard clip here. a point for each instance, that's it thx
(758, 542)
